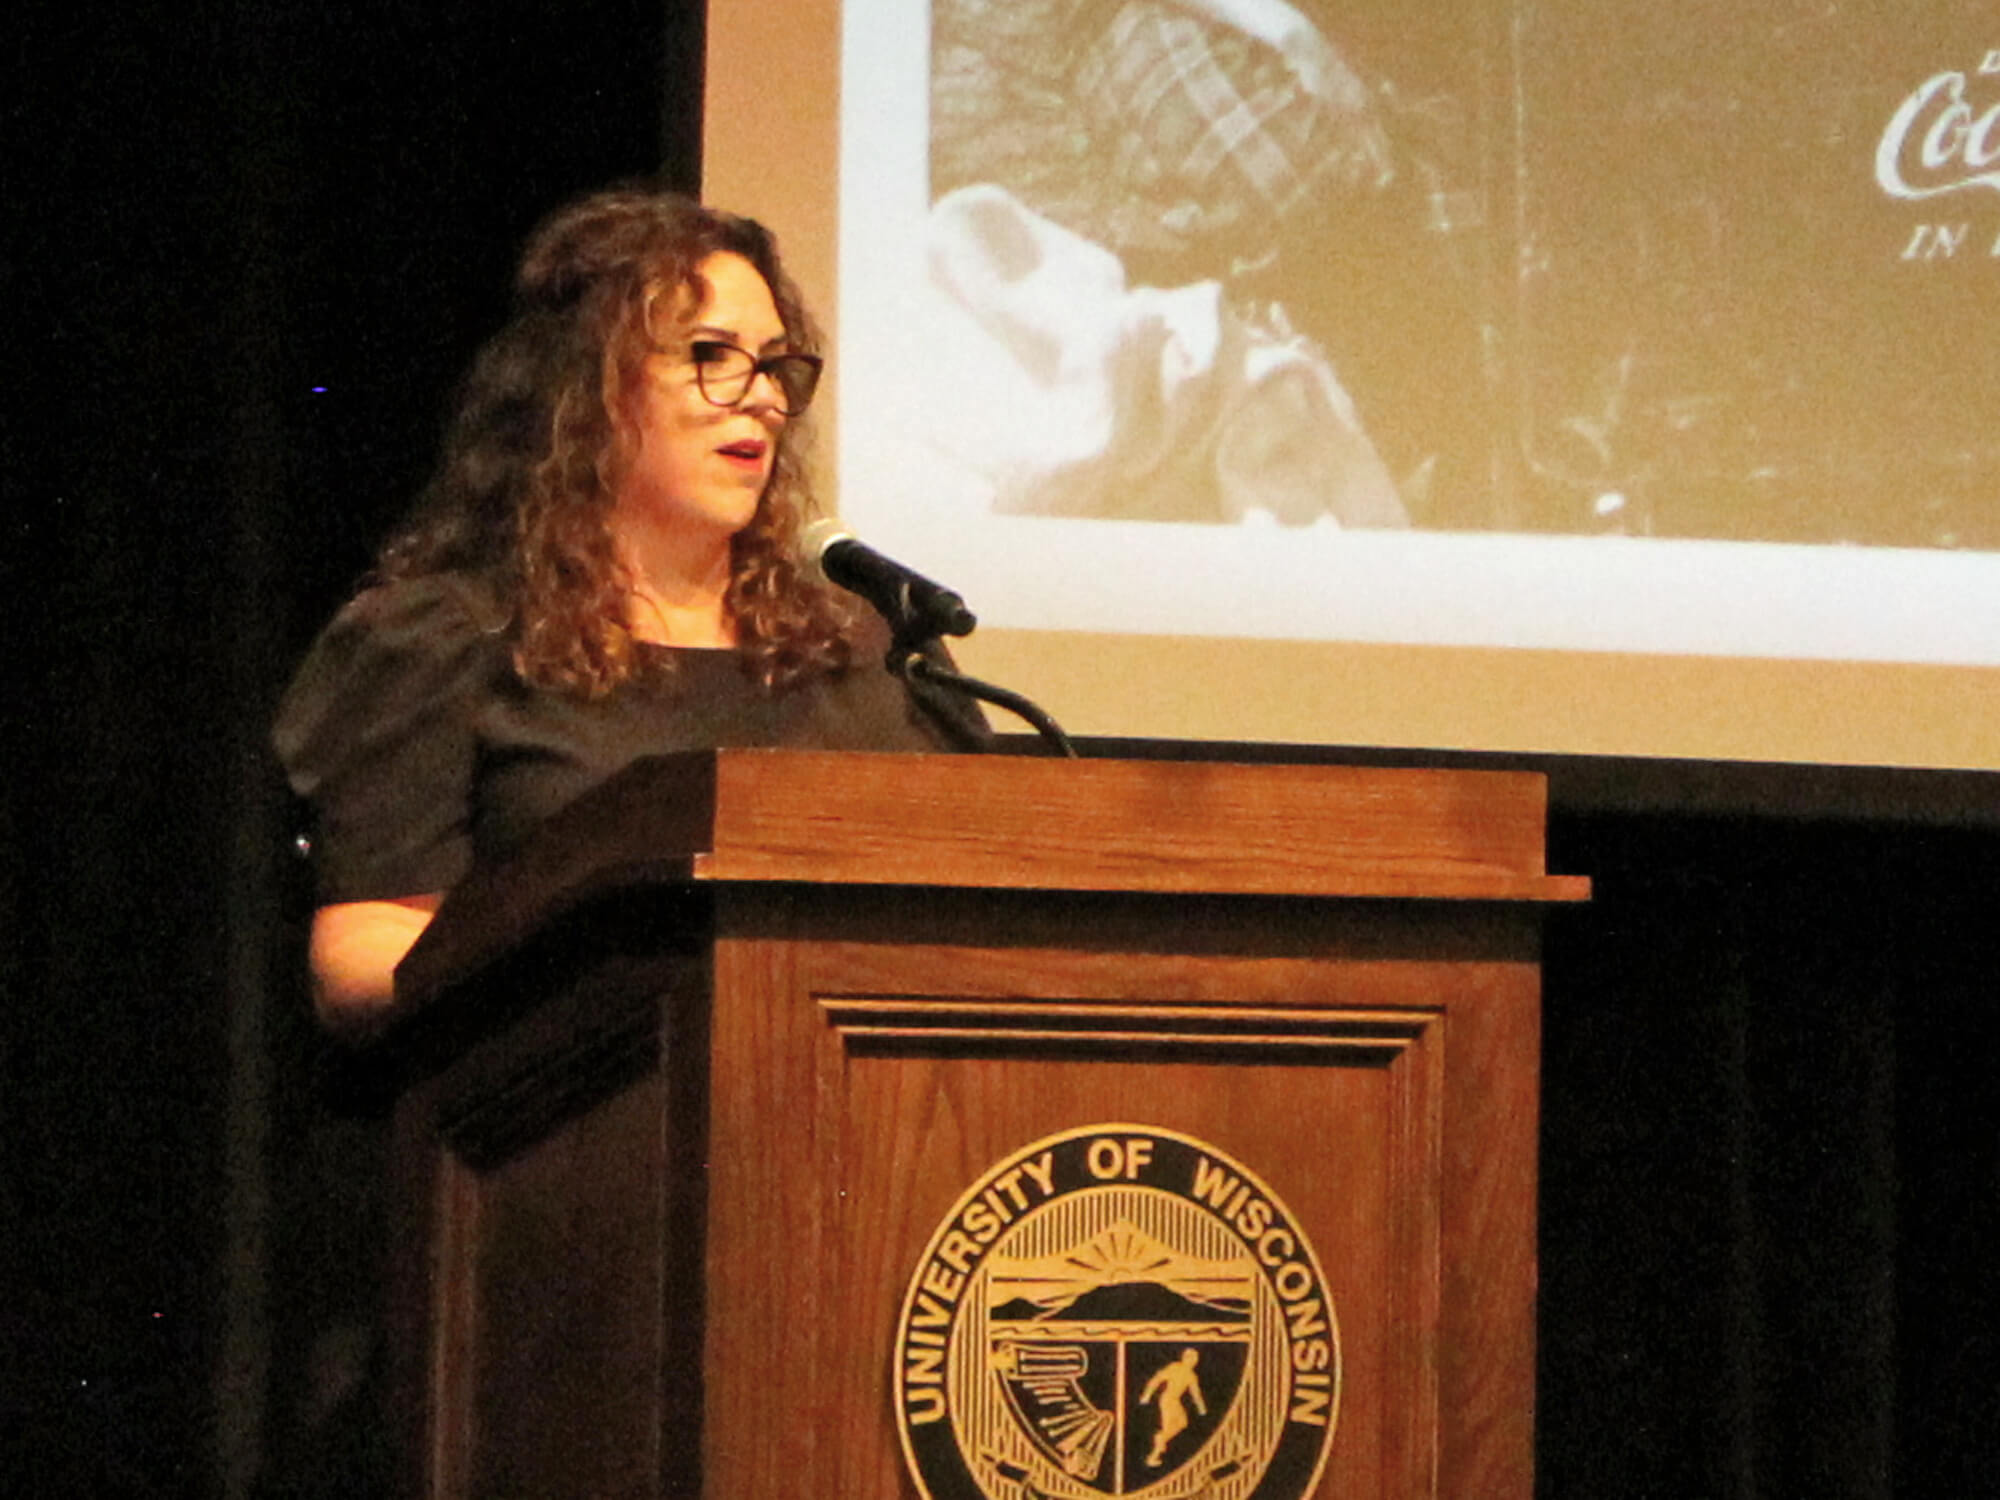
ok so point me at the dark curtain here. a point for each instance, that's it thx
(247, 249)
(1771, 1176)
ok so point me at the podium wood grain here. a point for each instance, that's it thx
(681, 1120)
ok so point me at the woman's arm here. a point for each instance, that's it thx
(356, 946)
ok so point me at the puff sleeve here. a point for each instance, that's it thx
(378, 733)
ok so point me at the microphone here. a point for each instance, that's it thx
(916, 608)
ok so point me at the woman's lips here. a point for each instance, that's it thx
(749, 452)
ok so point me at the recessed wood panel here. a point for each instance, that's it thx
(929, 1065)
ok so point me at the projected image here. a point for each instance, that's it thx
(1758, 258)
(1702, 271)
(1122, 189)
(1568, 325)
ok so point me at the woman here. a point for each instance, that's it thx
(602, 568)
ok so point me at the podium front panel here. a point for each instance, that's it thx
(871, 1066)
(1017, 1174)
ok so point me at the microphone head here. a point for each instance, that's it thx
(816, 537)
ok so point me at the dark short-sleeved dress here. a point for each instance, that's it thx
(420, 751)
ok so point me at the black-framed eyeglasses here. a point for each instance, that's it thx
(725, 374)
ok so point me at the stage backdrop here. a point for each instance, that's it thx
(1518, 375)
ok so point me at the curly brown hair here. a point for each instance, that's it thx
(527, 481)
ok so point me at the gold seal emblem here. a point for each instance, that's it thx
(1118, 1310)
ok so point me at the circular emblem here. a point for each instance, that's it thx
(1118, 1310)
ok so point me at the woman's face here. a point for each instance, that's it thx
(701, 467)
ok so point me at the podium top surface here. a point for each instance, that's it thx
(1002, 822)
(847, 817)
(1116, 825)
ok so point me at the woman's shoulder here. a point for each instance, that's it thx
(447, 609)
(401, 651)
(429, 625)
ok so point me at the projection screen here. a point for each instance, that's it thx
(1525, 375)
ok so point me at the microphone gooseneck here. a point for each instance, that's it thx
(919, 611)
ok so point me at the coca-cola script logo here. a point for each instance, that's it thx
(1945, 136)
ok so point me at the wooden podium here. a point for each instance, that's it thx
(781, 1120)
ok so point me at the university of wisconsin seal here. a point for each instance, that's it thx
(1118, 1310)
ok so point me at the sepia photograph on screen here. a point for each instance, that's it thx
(1532, 266)
(1542, 352)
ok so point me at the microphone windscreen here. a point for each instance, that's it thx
(816, 538)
